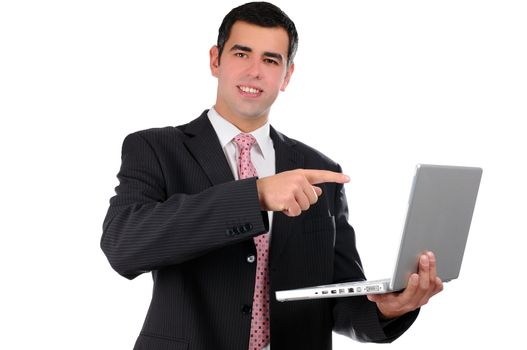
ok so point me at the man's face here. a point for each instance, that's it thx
(251, 72)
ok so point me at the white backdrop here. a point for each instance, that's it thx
(379, 86)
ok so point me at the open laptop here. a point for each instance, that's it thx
(438, 219)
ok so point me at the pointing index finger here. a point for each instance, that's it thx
(315, 176)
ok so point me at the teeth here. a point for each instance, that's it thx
(249, 89)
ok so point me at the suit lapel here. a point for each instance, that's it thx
(205, 146)
(287, 158)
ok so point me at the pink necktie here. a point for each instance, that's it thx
(260, 333)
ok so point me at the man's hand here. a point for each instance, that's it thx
(421, 287)
(291, 192)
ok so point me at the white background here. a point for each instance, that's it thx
(379, 86)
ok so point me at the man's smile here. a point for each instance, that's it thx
(249, 91)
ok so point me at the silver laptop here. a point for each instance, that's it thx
(438, 219)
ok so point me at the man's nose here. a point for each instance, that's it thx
(254, 70)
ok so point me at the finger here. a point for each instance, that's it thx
(318, 190)
(439, 285)
(412, 287)
(423, 292)
(435, 285)
(424, 273)
(411, 293)
(377, 298)
(302, 200)
(292, 210)
(432, 267)
(310, 193)
(315, 176)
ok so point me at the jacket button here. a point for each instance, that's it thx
(251, 258)
(247, 309)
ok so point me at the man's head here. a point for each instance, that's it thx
(257, 43)
(262, 14)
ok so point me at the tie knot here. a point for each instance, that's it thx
(244, 141)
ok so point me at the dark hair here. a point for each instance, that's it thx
(262, 14)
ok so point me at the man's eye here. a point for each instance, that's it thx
(240, 54)
(271, 61)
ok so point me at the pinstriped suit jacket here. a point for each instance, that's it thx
(179, 214)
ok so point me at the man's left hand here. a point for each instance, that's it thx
(421, 287)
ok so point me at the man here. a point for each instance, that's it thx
(225, 210)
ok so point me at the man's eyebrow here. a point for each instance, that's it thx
(274, 55)
(241, 48)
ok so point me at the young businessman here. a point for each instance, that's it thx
(225, 210)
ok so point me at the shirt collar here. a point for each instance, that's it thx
(227, 131)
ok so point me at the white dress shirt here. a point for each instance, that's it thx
(262, 152)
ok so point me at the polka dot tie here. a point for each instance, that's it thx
(260, 333)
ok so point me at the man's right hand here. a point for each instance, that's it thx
(292, 192)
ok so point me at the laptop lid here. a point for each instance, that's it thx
(439, 214)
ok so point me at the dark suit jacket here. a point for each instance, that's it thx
(179, 213)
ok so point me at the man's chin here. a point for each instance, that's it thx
(253, 115)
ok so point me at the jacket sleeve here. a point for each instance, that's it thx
(145, 229)
(357, 317)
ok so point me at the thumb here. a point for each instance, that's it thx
(374, 297)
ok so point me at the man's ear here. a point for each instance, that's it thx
(214, 60)
(287, 76)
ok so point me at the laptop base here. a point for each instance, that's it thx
(336, 290)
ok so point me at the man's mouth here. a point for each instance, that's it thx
(249, 90)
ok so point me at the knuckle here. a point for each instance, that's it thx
(297, 177)
(424, 284)
(295, 187)
(424, 288)
(400, 309)
(289, 196)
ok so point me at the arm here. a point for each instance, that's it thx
(145, 229)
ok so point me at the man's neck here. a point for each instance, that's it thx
(244, 124)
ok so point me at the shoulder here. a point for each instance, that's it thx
(153, 138)
(169, 135)
(158, 133)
